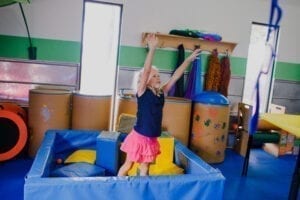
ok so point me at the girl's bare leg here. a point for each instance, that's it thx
(144, 169)
(125, 167)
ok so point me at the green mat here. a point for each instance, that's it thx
(266, 137)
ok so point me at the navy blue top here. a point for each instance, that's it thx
(149, 114)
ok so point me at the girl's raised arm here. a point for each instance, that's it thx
(152, 42)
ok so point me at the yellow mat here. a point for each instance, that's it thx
(286, 122)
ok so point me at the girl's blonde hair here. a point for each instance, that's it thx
(137, 76)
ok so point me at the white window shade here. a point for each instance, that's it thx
(100, 49)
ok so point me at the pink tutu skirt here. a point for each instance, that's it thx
(140, 148)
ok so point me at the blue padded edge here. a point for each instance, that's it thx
(42, 162)
(201, 181)
(178, 187)
(192, 163)
(65, 142)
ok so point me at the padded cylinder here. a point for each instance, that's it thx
(210, 126)
(48, 109)
(90, 112)
(13, 130)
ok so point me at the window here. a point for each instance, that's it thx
(17, 77)
(260, 58)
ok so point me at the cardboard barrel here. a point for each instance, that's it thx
(176, 115)
(126, 105)
(210, 126)
(91, 112)
(176, 118)
(48, 109)
(13, 130)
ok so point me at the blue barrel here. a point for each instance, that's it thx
(210, 126)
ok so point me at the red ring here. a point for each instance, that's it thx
(22, 134)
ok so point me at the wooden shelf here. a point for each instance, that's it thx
(173, 41)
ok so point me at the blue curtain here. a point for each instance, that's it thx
(194, 82)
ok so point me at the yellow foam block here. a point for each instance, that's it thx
(82, 155)
(166, 143)
(286, 122)
(158, 169)
(163, 164)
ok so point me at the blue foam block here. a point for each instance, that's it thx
(107, 151)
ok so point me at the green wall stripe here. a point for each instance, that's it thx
(131, 56)
(135, 57)
(238, 66)
(55, 50)
(13, 47)
(48, 50)
(69, 51)
(287, 71)
(166, 59)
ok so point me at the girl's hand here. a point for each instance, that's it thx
(152, 41)
(193, 56)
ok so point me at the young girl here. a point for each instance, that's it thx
(141, 144)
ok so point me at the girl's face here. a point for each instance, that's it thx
(154, 79)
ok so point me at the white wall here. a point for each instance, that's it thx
(61, 19)
(231, 18)
(52, 19)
